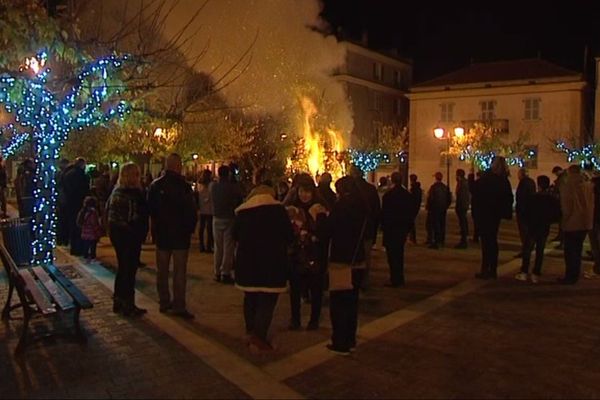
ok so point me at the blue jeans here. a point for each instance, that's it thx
(224, 246)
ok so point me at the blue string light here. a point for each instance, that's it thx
(588, 154)
(47, 121)
(368, 161)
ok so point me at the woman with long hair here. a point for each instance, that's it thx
(127, 212)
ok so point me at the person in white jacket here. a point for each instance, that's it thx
(577, 208)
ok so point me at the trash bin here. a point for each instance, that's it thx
(16, 234)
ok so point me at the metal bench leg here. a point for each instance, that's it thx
(7, 308)
(22, 341)
(78, 331)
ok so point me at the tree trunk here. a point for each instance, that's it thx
(47, 149)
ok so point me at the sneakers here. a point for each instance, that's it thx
(227, 280)
(164, 308)
(521, 276)
(337, 351)
(257, 345)
(534, 278)
(589, 274)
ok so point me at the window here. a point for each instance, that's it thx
(532, 109)
(398, 79)
(487, 110)
(399, 107)
(532, 152)
(378, 71)
(377, 99)
(447, 112)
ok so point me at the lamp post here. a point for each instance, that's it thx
(441, 133)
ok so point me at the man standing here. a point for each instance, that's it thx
(76, 186)
(398, 211)
(556, 188)
(463, 199)
(525, 192)
(542, 210)
(417, 193)
(369, 195)
(438, 201)
(577, 206)
(226, 196)
(173, 213)
(324, 189)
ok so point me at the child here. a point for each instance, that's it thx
(91, 226)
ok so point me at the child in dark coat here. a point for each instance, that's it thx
(90, 223)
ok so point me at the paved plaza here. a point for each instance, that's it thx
(444, 335)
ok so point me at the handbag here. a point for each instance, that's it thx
(340, 274)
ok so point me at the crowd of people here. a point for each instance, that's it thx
(304, 238)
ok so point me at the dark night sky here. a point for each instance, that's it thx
(442, 36)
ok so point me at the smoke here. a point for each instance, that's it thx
(289, 57)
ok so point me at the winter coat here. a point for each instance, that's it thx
(307, 251)
(525, 191)
(463, 195)
(417, 192)
(438, 197)
(345, 227)
(89, 221)
(76, 185)
(126, 209)
(226, 196)
(577, 203)
(494, 198)
(173, 211)
(542, 210)
(371, 199)
(327, 195)
(398, 212)
(263, 232)
(205, 203)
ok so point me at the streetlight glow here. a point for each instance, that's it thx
(439, 133)
(195, 156)
(459, 131)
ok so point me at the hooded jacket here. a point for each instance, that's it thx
(263, 232)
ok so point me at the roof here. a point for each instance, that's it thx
(516, 70)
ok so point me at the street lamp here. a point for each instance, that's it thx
(441, 133)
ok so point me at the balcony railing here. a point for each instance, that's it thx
(498, 126)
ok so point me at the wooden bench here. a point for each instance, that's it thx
(41, 291)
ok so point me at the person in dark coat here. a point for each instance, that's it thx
(308, 256)
(472, 179)
(174, 216)
(525, 192)
(541, 210)
(76, 186)
(417, 192)
(346, 227)
(494, 198)
(438, 201)
(398, 212)
(463, 200)
(127, 216)
(226, 195)
(324, 188)
(370, 197)
(262, 231)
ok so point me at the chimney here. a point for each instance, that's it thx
(364, 39)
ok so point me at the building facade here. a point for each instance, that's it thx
(376, 84)
(533, 99)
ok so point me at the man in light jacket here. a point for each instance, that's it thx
(577, 206)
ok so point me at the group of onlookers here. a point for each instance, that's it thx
(304, 237)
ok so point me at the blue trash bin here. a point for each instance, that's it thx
(17, 238)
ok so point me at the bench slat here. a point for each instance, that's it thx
(59, 295)
(40, 299)
(70, 287)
